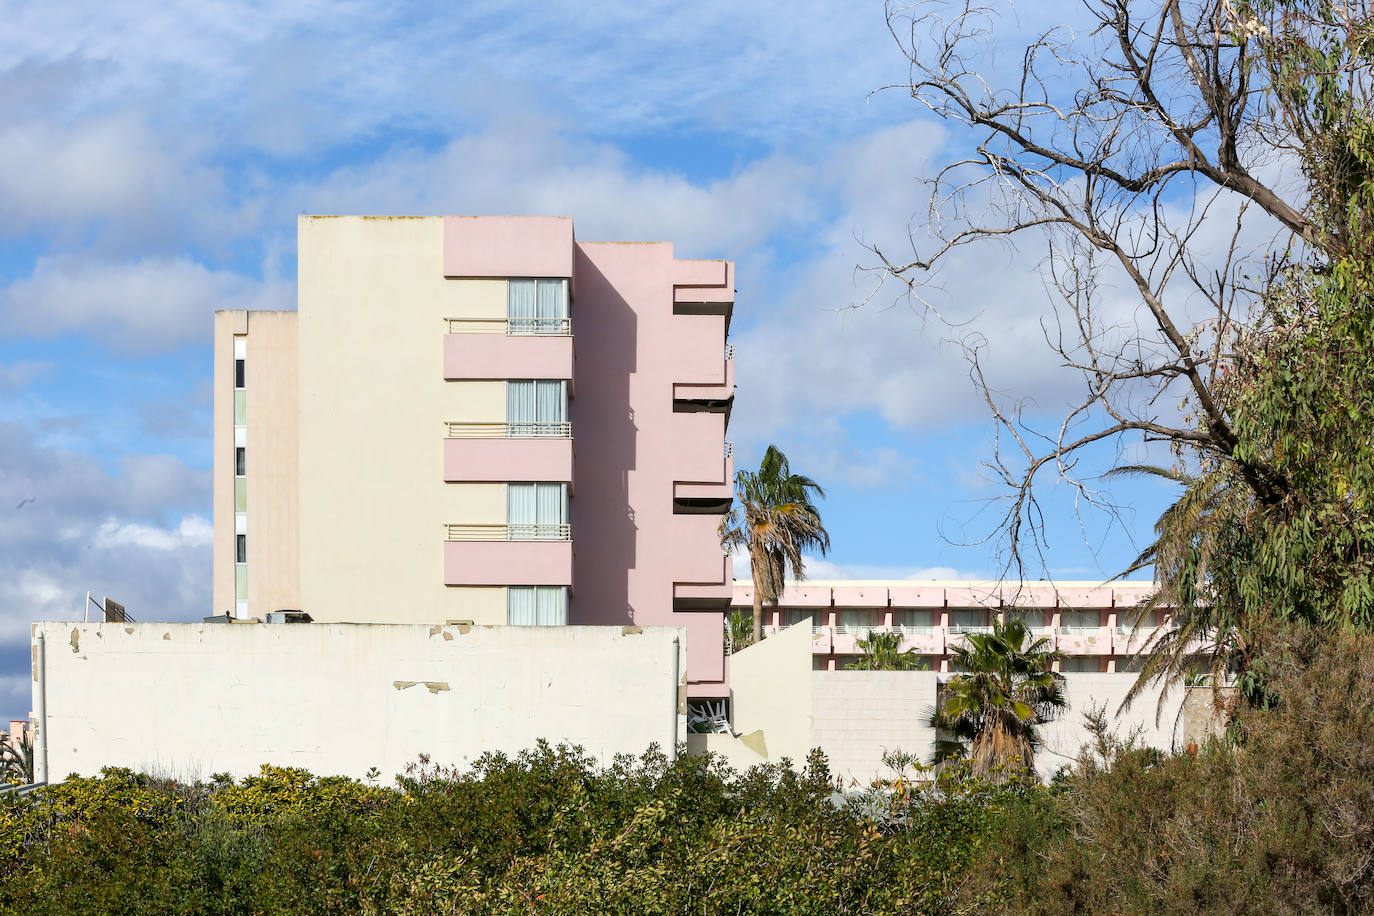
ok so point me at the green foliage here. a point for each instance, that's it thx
(546, 831)
(883, 652)
(990, 713)
(739, 631)
(775, 520)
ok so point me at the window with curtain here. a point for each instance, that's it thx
(1035, 621)
(1080, 621)
(536, 407)
(537, 307)
(968, 620)
(856, 623)
(916, 621)
(537, 605)
(793, 615)
(1080, 663)
(536, 511)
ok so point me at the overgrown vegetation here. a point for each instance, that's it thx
(1282, 822)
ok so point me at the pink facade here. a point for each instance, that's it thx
(473, 351)
(1090, 623)
(651, 386)
(507, 459)
(508, 562)
(508, 246)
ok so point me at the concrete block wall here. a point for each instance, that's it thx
(857, 716)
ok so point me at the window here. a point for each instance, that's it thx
(537, 605)
(536, 408)
(240, 462)
(1133, 664)
(240, 494)
(855, 623)
(536, 511)
(915, 621)
(240, 355)
(1080, 621)
(241, 548)
(1081, 663)
(968, 620)
(537, 307)
(240, 407)
(241, 580)
(1032, 620)
(1132, 620)
(792, 616)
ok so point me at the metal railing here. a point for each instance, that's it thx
(729, 351)
(1080, 630)
(729, 450)
(508, 532)
(518, 430)
(855, 629)
(511, 327)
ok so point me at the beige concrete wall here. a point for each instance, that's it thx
(477, 401)
(189, 700)
(484, 605)
(858, 716)
(373, 501)
(770, 695)
(272, 460)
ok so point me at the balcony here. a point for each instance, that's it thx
(702, 463)
(508, 555)
(1084, 640)
(705, 379)
(508, 452)
(500, 348)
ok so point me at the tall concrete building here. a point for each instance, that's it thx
(479, 419)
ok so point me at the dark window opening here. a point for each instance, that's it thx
(240, 462)
(238, 373)
(241, 548)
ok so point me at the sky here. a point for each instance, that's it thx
(154, 157)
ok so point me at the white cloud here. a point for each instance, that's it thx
(139, 307)
(191, 531)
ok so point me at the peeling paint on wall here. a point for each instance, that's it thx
(76, 640)
(631, 631)
(403, 685)
(437, 686)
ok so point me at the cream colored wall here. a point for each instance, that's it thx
(272, 462)
(301, 692)
(484, 605)
(373, 501)
(222, 490)
(770, 693)
(271, 443)
(476, 402)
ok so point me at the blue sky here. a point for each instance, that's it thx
(154, 156)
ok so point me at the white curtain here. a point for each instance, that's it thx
(521, 408)
(521, 607)
(552, 606)
(549, 497)
(551, 404)
(520, 504)
(552, 305)
(520, 306)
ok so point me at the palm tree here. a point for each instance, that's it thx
(16, 759)
(882, 652)
(1203, 636)
(774, 520)
(990, 712)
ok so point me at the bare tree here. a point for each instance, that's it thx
(1141, 148)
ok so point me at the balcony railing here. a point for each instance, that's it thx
(518, 430)
(508, 532)
(729, 351)
(511, 327)
(1080, 630)
(729, 450)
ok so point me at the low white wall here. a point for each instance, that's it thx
(189, 700)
